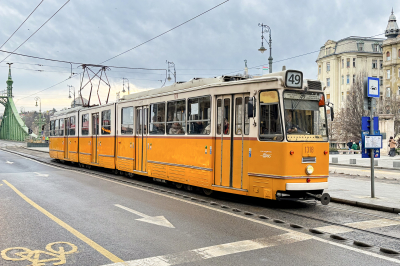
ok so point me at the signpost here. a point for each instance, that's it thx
(373, 140)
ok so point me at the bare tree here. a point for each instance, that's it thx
(347, 124)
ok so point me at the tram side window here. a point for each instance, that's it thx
(176, 113)
(246, 116)
(67, 126)
(61, 130)
(52, 128)
(270, 117)
(127, 121)
(106, 122)
(157, 119)
(199, 115)
(72, 126)
(223, 116)
(56, 127)
(85, 124)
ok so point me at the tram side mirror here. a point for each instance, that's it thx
(251, 110)
(332, 114)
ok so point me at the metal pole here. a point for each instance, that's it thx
(371, 132)
(270, 52)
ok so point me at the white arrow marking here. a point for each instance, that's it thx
(158, 220)
(39, 174)
(9, 162)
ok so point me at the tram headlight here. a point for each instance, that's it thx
(309, 169)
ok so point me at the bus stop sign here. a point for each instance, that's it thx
(373, 87)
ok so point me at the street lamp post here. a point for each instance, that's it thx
(123, 85)
(40, 121)
(264, 29)
(69, 93)
(169, 71)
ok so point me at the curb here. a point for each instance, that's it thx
(363, 166)
(366, 205)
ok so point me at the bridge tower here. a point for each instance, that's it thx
(12, 127)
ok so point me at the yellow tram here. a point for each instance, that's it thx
(264, 137)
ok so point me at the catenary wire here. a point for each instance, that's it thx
(165, 32)
(36, 30)
(21, 24)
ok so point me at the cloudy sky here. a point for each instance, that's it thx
(214, 44)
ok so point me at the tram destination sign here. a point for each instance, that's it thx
(297, 96)
(294, 79)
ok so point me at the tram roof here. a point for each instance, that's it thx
(199, 82)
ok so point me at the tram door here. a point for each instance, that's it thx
(66, 127)
(229, 142)
(95, 133)
(141, 138)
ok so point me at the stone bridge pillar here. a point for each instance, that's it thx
(386, 125)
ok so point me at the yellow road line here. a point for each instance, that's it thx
(76, 233)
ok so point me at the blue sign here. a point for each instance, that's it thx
(365, 123)
(373, 87)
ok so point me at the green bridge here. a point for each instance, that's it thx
(12, 127)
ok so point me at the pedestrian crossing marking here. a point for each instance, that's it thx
(335, 229)
(218, 250)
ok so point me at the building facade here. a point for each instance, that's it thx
(339, 63)
(391, 63)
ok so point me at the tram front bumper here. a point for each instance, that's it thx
(306, 186)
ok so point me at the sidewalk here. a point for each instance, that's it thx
(384, 162)
(42, 149)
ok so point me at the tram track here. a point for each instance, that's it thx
(227, 199)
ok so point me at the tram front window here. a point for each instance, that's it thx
(305, 118)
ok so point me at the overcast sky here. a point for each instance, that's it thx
(213, 44)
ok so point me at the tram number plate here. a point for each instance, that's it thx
(308, 150)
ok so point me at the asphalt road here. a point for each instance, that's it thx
(53, 215)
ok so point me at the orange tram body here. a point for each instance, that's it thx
(262, 137)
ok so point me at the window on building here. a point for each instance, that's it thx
(85, 124)
(328, 98)
(388, 74)
(127, 121)
(342, 63)
(388, 92)
(354, 79)
(270, 118)
(328, 82)
(399, 72)
(374, 64)
(342, 96)
(106, 122)
(348, 79)
(380, 64)
(375, 47)
(72, 126)
(380, 80)
(348, 62)
(360, 46)
(328, 66)
(398, 54)
(199, 115)
(354, 62)
(342, 79)
(387, 56)
(319, 69)
(176, 116)
(398, 90)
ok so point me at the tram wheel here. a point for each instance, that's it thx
(115, 171)
(178, 185)
(88, 166)
(207, 191)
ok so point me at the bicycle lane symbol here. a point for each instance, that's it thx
(34, 256)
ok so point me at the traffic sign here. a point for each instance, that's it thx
(373, 87)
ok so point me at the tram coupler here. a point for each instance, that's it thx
(325, 198)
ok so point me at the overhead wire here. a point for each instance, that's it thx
(36, 30)
(21, 24)
(165, 32)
